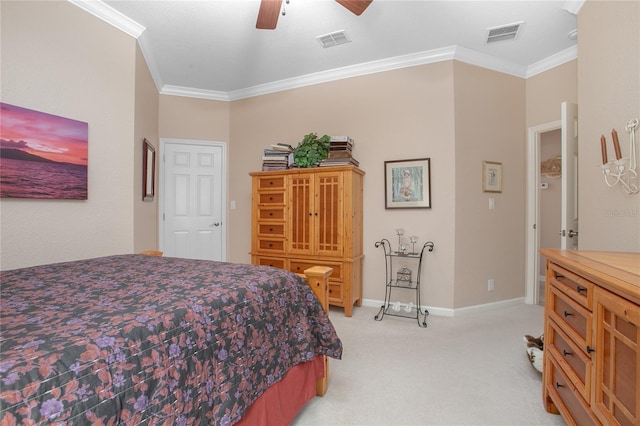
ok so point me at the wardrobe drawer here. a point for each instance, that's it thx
(271, 229)
(270, 261)
(274, 245)
(265, 198)
(335, 294)
(270, 182)
(574, 361)
(268, 213)
(574, 286)
(299, 266)
(571, 317)
(568, 402)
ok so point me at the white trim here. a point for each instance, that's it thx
(532, 260)
(490, 62)
(225, 183)
(110, 16)
(404, 61)
(552, 61)
(194, 93)
(448, 312)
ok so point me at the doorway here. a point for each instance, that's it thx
(192, 199)
(568, 229)
(536, 154)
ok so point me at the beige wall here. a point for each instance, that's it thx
(145, 221)
(609, 92)
(490, 122)
(546, 91)
(58, 59)
(401, 114)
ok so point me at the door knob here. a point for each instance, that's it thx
(572, 233)
(214, 224)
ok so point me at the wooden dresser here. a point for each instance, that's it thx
(592, 337)
(311, 217)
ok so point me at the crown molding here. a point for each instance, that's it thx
(490, 62)
(190, 92)
(110, 16)
(552, 61)
(420, 58)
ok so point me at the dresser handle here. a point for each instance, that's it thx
(558, 385)
(581, 289)
(590, 349)
(567, 314)
(566, 352)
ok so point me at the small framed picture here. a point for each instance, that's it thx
(407, 184)
(491, 176)
(148, 171)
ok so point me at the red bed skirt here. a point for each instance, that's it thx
(280, 404)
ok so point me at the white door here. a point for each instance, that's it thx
(192, 206)
(569, 219)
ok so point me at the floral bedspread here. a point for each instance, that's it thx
(138, 339)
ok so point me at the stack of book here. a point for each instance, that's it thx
(340, 152)
(277, 157)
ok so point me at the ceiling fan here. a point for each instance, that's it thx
(270, 9)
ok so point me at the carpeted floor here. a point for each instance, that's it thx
(468, 370)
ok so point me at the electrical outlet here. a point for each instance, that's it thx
(491, 284)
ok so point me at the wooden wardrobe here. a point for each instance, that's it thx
(310, 217)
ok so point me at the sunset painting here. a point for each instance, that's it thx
(42, 155)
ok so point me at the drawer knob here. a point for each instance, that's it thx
(558, 385)
(581, 289)
(567, 314)
(590, 349)
(566, 352)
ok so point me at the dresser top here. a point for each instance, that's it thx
(619, 272)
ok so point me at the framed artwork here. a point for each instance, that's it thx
(42, 155)
(491, 176)
(407, 184)
(148, 171)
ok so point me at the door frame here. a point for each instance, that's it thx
(532, 260)
(223, 196)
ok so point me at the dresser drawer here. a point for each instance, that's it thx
(574, 286)
(299, 266)
(270, 182)
(266, 198)
(271, 229)
(574, 361)
(573, 318)
(565, 398)
(268, 213)
(274, 245)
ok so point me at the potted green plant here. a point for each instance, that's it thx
(311, 150)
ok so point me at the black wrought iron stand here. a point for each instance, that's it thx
(401, 281)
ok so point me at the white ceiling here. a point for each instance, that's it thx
(212, 49)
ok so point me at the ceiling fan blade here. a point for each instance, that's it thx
(268, 14)
(355, 6)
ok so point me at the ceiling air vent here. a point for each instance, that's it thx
(504, 32)
(333, 39)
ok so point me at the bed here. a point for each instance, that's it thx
(136, 339)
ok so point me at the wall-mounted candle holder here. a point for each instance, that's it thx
(621, 170)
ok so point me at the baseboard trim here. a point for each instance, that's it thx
(467, 310)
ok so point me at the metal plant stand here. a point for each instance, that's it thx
(402, 281)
